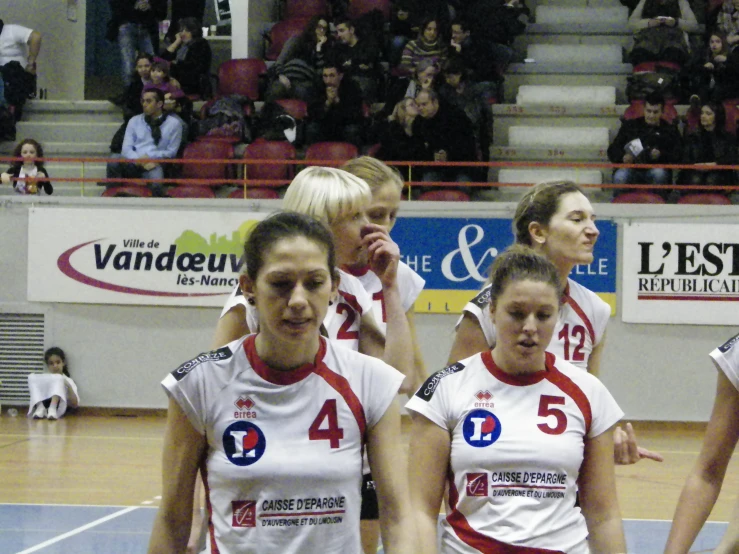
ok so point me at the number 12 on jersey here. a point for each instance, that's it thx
(326, 425)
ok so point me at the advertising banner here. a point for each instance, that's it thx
(188, 258)
(681, 273)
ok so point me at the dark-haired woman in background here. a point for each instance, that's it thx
(190, 55)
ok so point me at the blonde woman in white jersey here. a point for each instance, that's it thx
(704, 482)
(557, 220)
(386, 186)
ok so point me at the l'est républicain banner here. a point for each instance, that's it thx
(453, 255)
(681, 273)
(186, 258)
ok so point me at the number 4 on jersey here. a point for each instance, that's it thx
(331, 431)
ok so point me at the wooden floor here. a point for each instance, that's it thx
(92, 460)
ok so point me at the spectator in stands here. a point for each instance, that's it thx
(476, 61)
(337, 113)
(19, 50)
(395, 134)
(182, 9)
(402, 23)
(151, 135)
(661, 27)
(708, 146)
(717, 78)
(310, 46)
(359, 58)
(447, 135)
(646, 140)
(191, 57)
(424, 77)
(179, 106)
(161, 77)
(130, 101)
(494, 25)
(727, 21)
(28, 176)
(470, 97)
(429, 46)
(135, 25)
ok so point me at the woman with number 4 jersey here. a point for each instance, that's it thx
(277, 421)
(517, 433)
(556, 219)
(704, 483)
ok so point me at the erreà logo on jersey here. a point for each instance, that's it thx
(429, 387)
(244, 513)
(728, 344)
(481, 428)
(244, 443)
(213, 356)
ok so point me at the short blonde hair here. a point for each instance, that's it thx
(376, 173)
(326, 193)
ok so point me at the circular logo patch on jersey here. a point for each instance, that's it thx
(244, 443)
(481, 428)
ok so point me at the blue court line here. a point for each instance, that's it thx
(61, 529)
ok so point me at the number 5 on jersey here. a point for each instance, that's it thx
(546, 411)
(326, 425)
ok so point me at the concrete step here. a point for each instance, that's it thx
(566, 95)
(590, 54)
(72, 111)
(51, 131)
(565, 15)
(515, 81)
(538, 67)
(554, 137)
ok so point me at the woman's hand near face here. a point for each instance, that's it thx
(384, 254)
(5, 178)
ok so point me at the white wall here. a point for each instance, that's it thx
(120, 353)
(61, 64)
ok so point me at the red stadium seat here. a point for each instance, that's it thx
(705, 198)
(255, 192)
(280, 33)
(373, 150)
(357, 8)
(334, 151)
(295, 9)
(139, 191)
(295, 107)
(241, 77)
(638, 197)
(732, 113)
(636, 110)
(206, 149)
(445, 195)
(188, 191)
(270, 150)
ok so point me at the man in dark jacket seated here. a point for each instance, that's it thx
(337, 113)
(448, 137)
(647, 140)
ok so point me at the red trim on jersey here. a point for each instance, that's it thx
(209, 508)
(352, 301)
(357, 271)
(381, 297)
(342, 386)
(567, 386)
(275, 376)
(580, 312)
(517, 380)
(477, 540)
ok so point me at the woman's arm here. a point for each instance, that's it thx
(703, 485)
(636, 22)
(419, 365)
(687, 21)
(469, 340)
(72, 399)
(230, 327)
(383, 450)
(184, 449)
(598, 498)
(428, 455)
(44, 182)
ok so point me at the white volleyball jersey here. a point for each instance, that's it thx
(342, 321)
(410, 284)
(516, 451)
(283, 467)
(580, 328)
(726, 358)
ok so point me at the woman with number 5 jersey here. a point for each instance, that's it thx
(516, 433)
(556, 219)
(276, 422)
